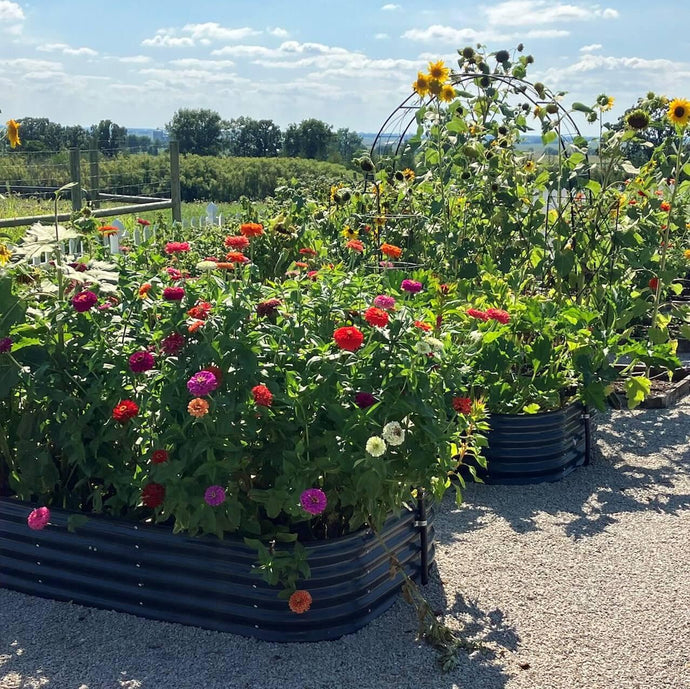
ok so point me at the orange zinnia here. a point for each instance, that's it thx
(223, 265)
(251, 229)
(144, 290)
(391, 250)
(198, 407)
(108, 230)
(300, 601)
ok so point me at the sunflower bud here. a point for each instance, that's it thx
(637, 119)
(468, 52)
(539, 88)
(520, 47)
(552, 108)
(366, 164)
(502, 56)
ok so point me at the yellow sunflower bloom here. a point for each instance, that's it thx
(605, 102)
(421, 86)
(679, 111)
(530, 166)
(408, 174)
(447, 94)
(13, 133)
(435, 87)
(349, 233)
(5, 255)
(438, 71)
(686, 253)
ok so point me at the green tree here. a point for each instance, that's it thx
(309, 139)
(346, 144)
(198, 131)
(110, 138)
(251, 138)
(76, 137)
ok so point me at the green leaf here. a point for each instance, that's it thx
(581, 107)
(637, 388)
(548, 137)
(658, 335)
(532, 408)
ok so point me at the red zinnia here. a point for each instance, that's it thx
(251, 229)
(476, 313)
(172, 344)
(498, 315)
(176, 247)
(236, 257)
(355, 245)
(217, 372)
(462, 405)
(125, 410)
(200, 311)
(301, 264)
(262, 396)
(159, 456)
(83, 301)
(313, 274)
(193, 327)
(173, 293)
(140, 362)
(237, 242)
(153, 494)
(349, 338)
(422, 326)
(306, 251)
(375, 316)
(143, 222)
(268, 307)
(665, 206)
(300, 602)
(653, 284)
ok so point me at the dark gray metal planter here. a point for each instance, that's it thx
(532, 448)
(148, 571)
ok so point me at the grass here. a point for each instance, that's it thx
(15, 206)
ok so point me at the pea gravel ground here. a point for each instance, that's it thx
(579, 584)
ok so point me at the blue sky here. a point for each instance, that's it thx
(349, 62)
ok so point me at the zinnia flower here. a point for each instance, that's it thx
(173, 293)
(144, 290)
(5, 345)
(206, 266)
(393, 433)
(679, 111)
(307, 251)
(349, 338)
(159, 456)
(300, 602)
(665, 206)
(198, 407)
(217, 372)
(200, 311)
(383, 301)
(214, 495)
(355, 245)
(202, 384)
(236, 257)
(498, 315)
(140, 362)
(262, 396)
(364, 400)
(653, 284)
(143, 222)
(462, 405)
(38, 518)
(108, 230)
(174, 273)
(125, 410)
(268, 308)
(172, 344)
(251, 229)
(153, 495)
(237, 242)
(176, 247)
(375, 446)
(313, 500)
(13, 133)
(391, 250)
(422, 326)
(411, 286)
(375, 316)
(84, 301)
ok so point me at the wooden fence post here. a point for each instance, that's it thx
(94, 178)
(175, 192)
(75, 176)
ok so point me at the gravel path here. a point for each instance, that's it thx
(582, 584)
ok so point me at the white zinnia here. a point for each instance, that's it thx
(435, 343)
(206, 265)
(376, 446)
(422, 348)
(393, 433)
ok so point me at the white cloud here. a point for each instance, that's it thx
(437, 33)
(212, 31)
(278, 32)
(531, 12)
(246, 51)
(134, 59)
(381, 36)
(591, 48)
(166, 38)
(546, 33)
(390, 7)
(11, 17)
(66, 49)
(212, 65)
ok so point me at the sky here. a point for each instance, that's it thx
(349, 63)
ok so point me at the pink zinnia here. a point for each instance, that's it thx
(476, 313)
(83, 301)
(176, 247)
(172, 344)
(411, 286)
(174, 273)
(140, 362)
(313, 500)
(173, 293)
(202, 383)
(214, 495)
(5, 345)
(38, 518)
(498, 315)
(383, 301)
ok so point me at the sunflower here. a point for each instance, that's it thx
(679, 111)
(530, 166)
(605, 102)
(421, 86)
(349, 233)
(435, 87)
(5, 255)
(13, 133)
(408, 174)
(447, 94)
(438, 71)
(637, 119)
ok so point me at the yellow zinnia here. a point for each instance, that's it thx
(447, 94)
(438, 71)
(679, 111)
(5, 255)
(13, 133)
(421, 86)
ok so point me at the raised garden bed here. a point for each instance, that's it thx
(148, 571)
(664, 392)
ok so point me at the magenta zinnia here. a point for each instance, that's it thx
(383, 301)
(214, 495)
(202, 383)
(411, 286)
(140, 362)
(313, 500)
(38, 518)
(83, 301)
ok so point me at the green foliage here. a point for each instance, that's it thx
(197, 131)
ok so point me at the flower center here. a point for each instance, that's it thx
(679, 111)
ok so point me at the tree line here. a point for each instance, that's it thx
(202, 132)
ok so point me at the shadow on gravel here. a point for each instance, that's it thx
(621, 479)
